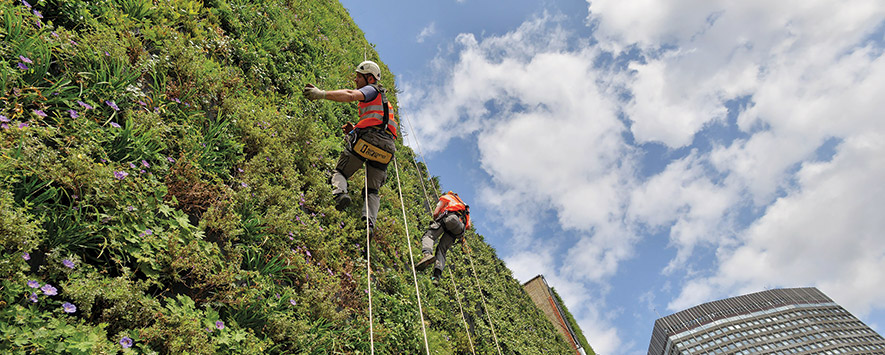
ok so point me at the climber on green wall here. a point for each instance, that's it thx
(370, 141)
(451, 218)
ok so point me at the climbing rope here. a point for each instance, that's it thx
(411, 257)
(458, 298)
(483, 298)
(369, 265)
(478, 285)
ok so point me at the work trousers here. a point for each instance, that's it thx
(446, 229)
(376, 173)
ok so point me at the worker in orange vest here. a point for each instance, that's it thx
(450, 219)
(371, 141)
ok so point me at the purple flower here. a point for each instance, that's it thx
(37, 13)
(107, 54)
(145, 163)
(40, 113)
(54, 34)
(26, 4)
(26, 256)
(33, 284)
(73, 113)
(3, 119)
(33, 297)
(85, 105)
(115, 125)
(68, 263)
(131, 165)
(170, 159)
(112, 104)
(219, 324)
(243, 184)
(26, 59)
(22, 66)
(142, 103)
(308, 252)
(69, 307)
(238, 169)
(73, 42)
(49, 290)
(4, 126)
(23, 125)
(103, 160)
(126, 342)
(293, 302)
(130, 208)
(176, 100)
(148, 232)
(120, 175)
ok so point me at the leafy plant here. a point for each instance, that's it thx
(163, 149)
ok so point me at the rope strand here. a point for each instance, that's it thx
(411, 256)
(483, 298)
(458, 298)
(369, 266)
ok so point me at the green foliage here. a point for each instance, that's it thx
(162, 172)
(571, 320)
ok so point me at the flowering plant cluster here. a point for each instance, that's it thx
(164, 189)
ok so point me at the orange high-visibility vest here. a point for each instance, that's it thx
(372, 114)
(454, 204)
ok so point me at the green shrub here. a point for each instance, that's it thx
(167, 178)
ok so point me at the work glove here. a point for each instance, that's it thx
(347, 128)
(313, 93)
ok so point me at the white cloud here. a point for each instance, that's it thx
(810, 79)
(828, 235)
(428, 31)
(553, 133)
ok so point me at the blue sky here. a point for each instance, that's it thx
(650, 155)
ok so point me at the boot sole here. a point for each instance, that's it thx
(343, 203)
(424, 265)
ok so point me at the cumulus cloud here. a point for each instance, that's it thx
(559, 135)
(827, 234)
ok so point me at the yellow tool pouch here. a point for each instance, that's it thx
(371, 152)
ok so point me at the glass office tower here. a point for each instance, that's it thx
(779, 322)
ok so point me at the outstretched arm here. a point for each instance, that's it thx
(345, 95)
(342, 95)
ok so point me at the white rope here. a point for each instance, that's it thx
(420, 153)
(482, 297)
(411, 257)
(369, 265)
(458, 298)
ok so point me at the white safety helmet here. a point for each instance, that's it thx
(369, 67)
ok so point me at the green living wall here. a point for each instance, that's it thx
(164, 189)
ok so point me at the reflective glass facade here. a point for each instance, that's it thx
(783, 321)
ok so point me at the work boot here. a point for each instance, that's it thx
(425, 262)
(435, 281)
(342, 200)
